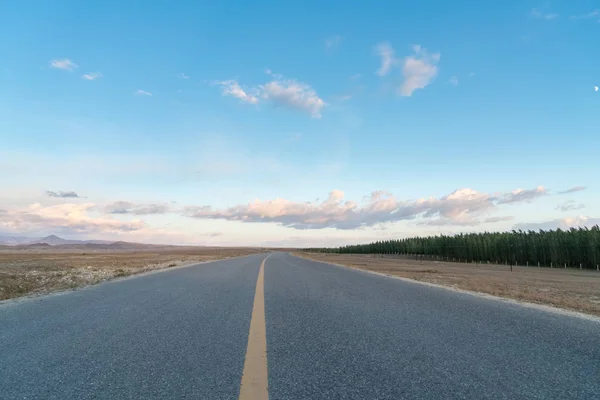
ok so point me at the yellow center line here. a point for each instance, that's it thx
(255, 378)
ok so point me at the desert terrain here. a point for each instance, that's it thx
(41, 268)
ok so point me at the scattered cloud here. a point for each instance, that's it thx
(463, 207)
(62, 195)
(181, 75)
(141, 92)
(595, 14)
(573, 190)
(535, 13)
(471, 74)
(333, 41)
(66, 217)
(492, 220)
(569, 205)
(595, 88)
(355, 77)
(279, 91)
(125, 207)
(92, 76)
(232, 88)
(65, 64)
(386, 52)
(294, 95)
(449, 222)
(562, 223)
(523, 195)
(419, 70)
(80, 221)
(453, 81)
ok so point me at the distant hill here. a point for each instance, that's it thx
(34, 246)
(54, 240)
(58, 243)
(51, 240)
(128, 245)
(15, 240)
(106, 246)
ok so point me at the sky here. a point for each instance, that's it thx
(297, 123)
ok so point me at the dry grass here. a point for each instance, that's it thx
(32, 272)
(565, 288)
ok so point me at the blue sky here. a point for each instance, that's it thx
(297, 123)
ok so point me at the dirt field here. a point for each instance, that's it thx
(41, 271)
(565, 288)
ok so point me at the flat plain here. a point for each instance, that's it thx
(43, 269)
(571, 289)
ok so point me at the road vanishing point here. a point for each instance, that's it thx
(275, 326)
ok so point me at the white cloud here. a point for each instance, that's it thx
(569, 205)
(125, 207)
(182, 76)
(65, 64)
(62, 195)
(141, 92)
(462, 207)
(280, 91)
(573, 190)
(453, 81)
(492, 220)
(522, 195)
(92, 76)
(80, 221)
(595, 88)
(232, 88)
(333, 41)
(66, 217)
(386, 52)
(419, 70)
(590, 15)
(293, 94)
(562, 223)
(355, 77)
(541, 15)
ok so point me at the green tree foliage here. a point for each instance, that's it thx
(573, 247)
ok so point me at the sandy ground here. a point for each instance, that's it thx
(570, 289)
(36, 272)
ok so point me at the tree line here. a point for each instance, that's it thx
(576, 247)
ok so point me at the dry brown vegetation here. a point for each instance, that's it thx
(573, 289)
(28, 271)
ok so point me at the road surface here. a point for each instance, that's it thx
(308, 330)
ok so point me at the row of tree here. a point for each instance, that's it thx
(578, 248)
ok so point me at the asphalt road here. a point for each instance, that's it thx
(331, 333)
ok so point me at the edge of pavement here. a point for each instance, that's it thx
(536, 306)
(41, 296)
